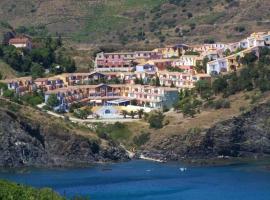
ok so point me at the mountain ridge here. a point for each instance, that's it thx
(144, 23)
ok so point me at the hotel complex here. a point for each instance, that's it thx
(144, 78)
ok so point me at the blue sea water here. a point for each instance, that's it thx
(152, 181)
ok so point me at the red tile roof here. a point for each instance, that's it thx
(19, 40)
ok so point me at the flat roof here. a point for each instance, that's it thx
(118, 101)
(26, 78)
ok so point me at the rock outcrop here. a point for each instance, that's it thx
(245, 136)
(27, 143)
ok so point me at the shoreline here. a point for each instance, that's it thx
(211, 162)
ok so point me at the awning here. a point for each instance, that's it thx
(118, 101)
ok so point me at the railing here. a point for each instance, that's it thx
(109, 94)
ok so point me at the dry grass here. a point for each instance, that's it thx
(6, 71)
(206, 119)
(100, 22)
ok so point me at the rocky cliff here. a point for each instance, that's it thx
(27, 143)
(247, 136)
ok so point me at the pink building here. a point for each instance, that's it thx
(124, 61)
(114, 61)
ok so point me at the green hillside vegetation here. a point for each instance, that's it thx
(47, 55)
(11, 191)
(6, 71)
(226, 96)
(144, 22)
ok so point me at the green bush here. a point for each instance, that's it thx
(155, 119)
(33, 99)
(141, 139)
(117, 131)
(52, 101)
(10, 191)
(256, 97)
(221, 103)
(242, 108)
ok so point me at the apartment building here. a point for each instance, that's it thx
(208, 47)
(175, 79)
(123, 61)
(94, 94)
(20, 85)
(151, 96)
(46, 84)
(161, 64)
(174, 51)
(186, 60)
(229, 63)
(185, 80)
(70, 79)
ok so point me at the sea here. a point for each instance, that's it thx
(146, 180)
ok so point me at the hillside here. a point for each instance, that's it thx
(145, 22)
(6, 71)
(9, 190)
(233, 132)
(40, 140)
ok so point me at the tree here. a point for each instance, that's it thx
(9, 93)
(157, 81)
(52, 101)
(59, 41)
(37, 70)
(1, 76)
(132, 114)
(140, 113)
(124, 113)
(155, 119)
(188, 105)
(70, 66)
(203, 87)
(219, 85)
(249, 58)
(3, 86)
(82, 113)
(202, 67)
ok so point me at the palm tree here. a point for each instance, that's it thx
(124, 113)
(140, 113)
(132, 114)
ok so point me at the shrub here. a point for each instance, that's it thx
(8, 93)
(10, 190)
(209, 41)
(255, 97)
(81, 113)
(116, 131)
(52, 101)
(141, 139)
(221, 103)
(33, 99)
(242, 108)
(240, 29)
(165, 109)
(189, 15)
(246, 97)
(155, 119)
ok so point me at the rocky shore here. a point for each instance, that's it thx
(25, 143)
(246, 136)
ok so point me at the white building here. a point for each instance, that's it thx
(217, 66)
(21, 42)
